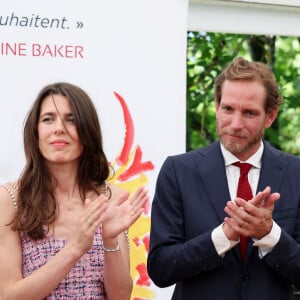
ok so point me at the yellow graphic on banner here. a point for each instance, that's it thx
(130, 174)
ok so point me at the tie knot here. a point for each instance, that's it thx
(244, 167)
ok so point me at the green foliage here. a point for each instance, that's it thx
(209, 53)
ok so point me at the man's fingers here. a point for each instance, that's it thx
(259, 199)
(271, 199)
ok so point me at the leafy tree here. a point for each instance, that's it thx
(209, 53)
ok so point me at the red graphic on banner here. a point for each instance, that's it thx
(143, 279)
(129, 173)
(137, 166)
(129, 133)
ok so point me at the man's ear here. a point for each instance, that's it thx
(216, 105)
(271, 118)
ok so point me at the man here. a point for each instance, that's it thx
(196, 231)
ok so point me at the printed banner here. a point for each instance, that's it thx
(129, 56)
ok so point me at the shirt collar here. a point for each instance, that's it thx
(254, 160)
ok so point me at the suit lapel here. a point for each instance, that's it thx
(272, 173)
(211, 167)
(273, 169)
(212, 171)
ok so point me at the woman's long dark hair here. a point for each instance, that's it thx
(36, 204)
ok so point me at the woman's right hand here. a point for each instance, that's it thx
(90, 220)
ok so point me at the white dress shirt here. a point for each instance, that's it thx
(221, 242)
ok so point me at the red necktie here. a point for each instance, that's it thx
(244, 191)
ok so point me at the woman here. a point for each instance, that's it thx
(62, 226)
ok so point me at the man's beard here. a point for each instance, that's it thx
(237, 148)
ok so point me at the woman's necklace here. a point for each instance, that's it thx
(70, 207)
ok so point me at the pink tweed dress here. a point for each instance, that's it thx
(84, 281)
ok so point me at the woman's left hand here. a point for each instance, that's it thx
(123, 212)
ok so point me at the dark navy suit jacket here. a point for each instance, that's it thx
(190, 196)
